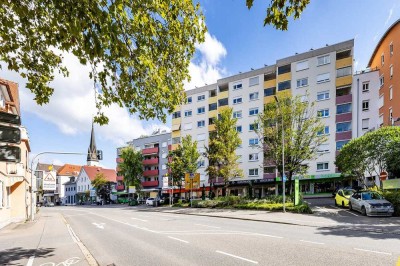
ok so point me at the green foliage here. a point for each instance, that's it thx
(394, 198)
(139, 51)
(279, 11)
(301, 128)
(131, 167)
(99, 182)
(221, 150)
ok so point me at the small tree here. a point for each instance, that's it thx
(221, 151)
(102, 186)
(302, 134)
(131, 167)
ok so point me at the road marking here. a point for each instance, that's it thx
(373, 251)
(311, 242)
(351, 213)
(267, 235)
(208, 226)
(234, 256)
(30, 261)
(139, 219)
(99, 225)
(184, 241)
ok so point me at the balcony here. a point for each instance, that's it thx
(150, 161)
(150, 172)
(117, 169)
(344, 117)
(120, 178)
(150, 150)
(344, 99)
(150, 183)
(343, 135)
(119, 160)
(269, 175)
(120, 187)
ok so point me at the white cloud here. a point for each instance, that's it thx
(389, 16)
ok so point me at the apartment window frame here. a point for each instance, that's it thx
(253, 157)
(365, 105)
(303, 65)
(343, 127)
(253, 81)
(326, 59)
(188, 113)
(365, 124)
(201, 97)
(189, 100)
(303, 82)
(237, 86)
(201, 110)
(239, 129)
(269, 91)
(212, 106)
(325, 166)
(324, 113)
(391, 71)
(346, 108)
(381, 80)
(391, 92)
(253, 111)
(323, 148)
(284, 85)
(201, 123)
(343, 71)
(253, 96)
(237, 100)
(326, 77)
(253, 126)
(324, 132)
(382, 59)
(326, 95)
(365, 86)
(253, 172)
(236, 114)
(341, 143)
(391, 49)
(253, 141)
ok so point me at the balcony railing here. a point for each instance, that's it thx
(344, 117)
(344, 99)
(120, 178)
(150, 173)
(150, 183)
(150, 150)
(150, 161)
(269, 175)
(343, 135)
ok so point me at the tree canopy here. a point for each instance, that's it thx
(302, 134)
(221, 150)
(131, 167)
(139, 51)
(278, 11)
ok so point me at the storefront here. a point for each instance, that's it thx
(321, 184)
(264, 187)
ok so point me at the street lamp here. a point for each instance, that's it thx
(283, 154)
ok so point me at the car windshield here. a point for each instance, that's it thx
(371, 196)
(348, 192)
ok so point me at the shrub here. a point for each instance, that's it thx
(394, 198)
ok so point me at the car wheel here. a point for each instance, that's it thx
(350, 207)
(363, 211)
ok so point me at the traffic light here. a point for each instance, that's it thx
(10, 134)
(100, 155)
(10, 154)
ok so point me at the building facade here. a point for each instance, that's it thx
(70, 191)
(64, 175)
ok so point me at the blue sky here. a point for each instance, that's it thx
(236, 41)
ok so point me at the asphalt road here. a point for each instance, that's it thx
(137, 236)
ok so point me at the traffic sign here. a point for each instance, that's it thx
(10, 134)
(10, 154)
(383, 175)
(49, 181)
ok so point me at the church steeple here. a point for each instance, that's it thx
(92, 151)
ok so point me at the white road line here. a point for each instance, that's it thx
(30, 261)
(208, 226)
(139, 219)
(352, 213)
(234, 256)
(373, 251)
(312, 242)
(184, 241)
(268, 235)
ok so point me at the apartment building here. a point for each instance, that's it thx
(323, 76)
(154, 149)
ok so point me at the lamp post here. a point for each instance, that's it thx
(37, 155)
(283, 154)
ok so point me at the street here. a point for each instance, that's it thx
(123, 235)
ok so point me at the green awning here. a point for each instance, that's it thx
(120, 193)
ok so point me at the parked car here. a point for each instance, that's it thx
(342, 197)
(149, 201)
(370, 203)
(49, 204)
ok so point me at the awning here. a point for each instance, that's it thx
(150, 189)
(176, 127)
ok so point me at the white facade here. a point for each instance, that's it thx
(70, 192)
(83, 182)
(61, 180)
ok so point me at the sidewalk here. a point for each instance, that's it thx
(387, 225)
(46, 240)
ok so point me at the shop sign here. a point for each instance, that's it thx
(192, 180)
(240, 182)
(296, 192)
(265, 180)
(324, 176)
(131, 189)
(391, 184)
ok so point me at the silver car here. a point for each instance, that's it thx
(370, 203)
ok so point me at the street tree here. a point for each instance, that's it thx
(138, 50)
(102, 186)
(221, 150)
(279, 11)
(131, 167)
(176, 166)
(303, 135)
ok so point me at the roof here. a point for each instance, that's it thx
(92, 171)
(45, 167)
(92, 150)
(381, 40)
(69, 170)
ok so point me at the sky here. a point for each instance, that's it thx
(236, 41)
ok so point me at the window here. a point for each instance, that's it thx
(269, 91)
(223, 102)
(321, 78)
(323, 95)
(176, 115)
(323, 113)
(325, 131)
(340, 144)
(201, 110)
(343, 108)
(380, 102)
(253, 81)
(223, 88)
(323, 60)
(176, 140)
(301, 65)
(391, 71)
(381, 80)
(323, 148)
(211, 121)
(253, 111)
(382, 59)
(237, 86)
(237, 114)
(342, 72)
(391, 49)
(365, 124)
(302, 82)
(201, 123)
(365, 87)
(365, 105)
(201, 163)
(343, 54)
(201, 137)
(284, 69)
(253, 141)
(188, 113)
(252, 127)
(212, 106)
(343, 127)
(8, 197)
(284, 85)
(381, 120)
(237, 100)
(322, 166)
(253, 157)
(253, 172)
(189, 100)
(239, 129)
(390, 92)
(340, 91)
(269, 169)
(253, 96)
(201, 98)
(391, 116)
(269, 76)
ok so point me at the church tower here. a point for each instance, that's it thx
(92, 159)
